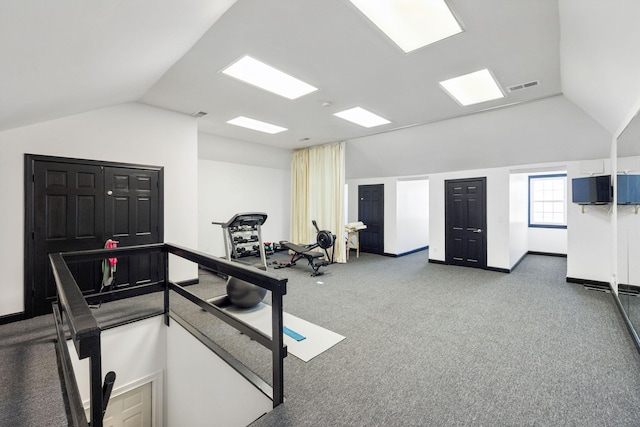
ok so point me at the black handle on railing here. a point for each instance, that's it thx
(109, 379)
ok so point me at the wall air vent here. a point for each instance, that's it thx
(523, 86)
(199, 114)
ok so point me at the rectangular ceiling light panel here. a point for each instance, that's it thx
(362, 117)
(411, 24)
(473, 88)
(253, 124)
(259, 74)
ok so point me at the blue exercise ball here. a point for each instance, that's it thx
(243, 294)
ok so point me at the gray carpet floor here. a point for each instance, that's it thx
(426, 345)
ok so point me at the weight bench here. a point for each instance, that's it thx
(324, 240)
(306, 252)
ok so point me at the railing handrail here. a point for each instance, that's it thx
(82, 322)
(84, 330)
(264, 279)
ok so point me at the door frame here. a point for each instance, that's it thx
(447, 236)
(29, 211)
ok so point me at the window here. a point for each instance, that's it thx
(548, 201)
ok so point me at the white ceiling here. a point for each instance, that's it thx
(332, 46)
(71, 56)
(66, 57)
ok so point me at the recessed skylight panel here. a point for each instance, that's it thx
(411, 24)
(362, 117)
(473, 88)
(264, 76)
(253, 124)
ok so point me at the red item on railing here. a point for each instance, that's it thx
(111, 244)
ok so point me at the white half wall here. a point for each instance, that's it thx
(225, 189)
(128, 133)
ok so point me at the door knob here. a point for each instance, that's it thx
(109, 193)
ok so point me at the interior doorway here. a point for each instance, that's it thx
(75, 204)
(133, 408)
(371, 212)
(466, 222)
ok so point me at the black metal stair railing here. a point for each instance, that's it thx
(85, 334)
(85, 331)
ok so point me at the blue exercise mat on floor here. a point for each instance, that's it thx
(293, 334)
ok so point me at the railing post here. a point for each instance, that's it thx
(107, 388)
(165, 255)
(278, 347)
(95, 383)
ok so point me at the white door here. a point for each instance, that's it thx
(130, 409)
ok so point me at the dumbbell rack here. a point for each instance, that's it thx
(243, 236)
(244, 241)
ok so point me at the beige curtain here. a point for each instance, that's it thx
(317, 175)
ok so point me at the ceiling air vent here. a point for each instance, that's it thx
(523, 86)
(199, 114)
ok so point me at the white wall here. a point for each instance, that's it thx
(508, 235)
(129, 133)
(225, 189)
(518, 217)
(549, 240)
(390, 200)
(238, 176)
(498, 227)
(221, 149)
(136, 352)
(588, 233)
(412, 215)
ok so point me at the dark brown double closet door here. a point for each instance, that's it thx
(77, 205)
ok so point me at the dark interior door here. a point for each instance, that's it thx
(466, 223)
(132, 218)
(68, 215)
(371, 213)
(77, 205)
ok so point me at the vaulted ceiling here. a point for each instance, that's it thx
(70, 56)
